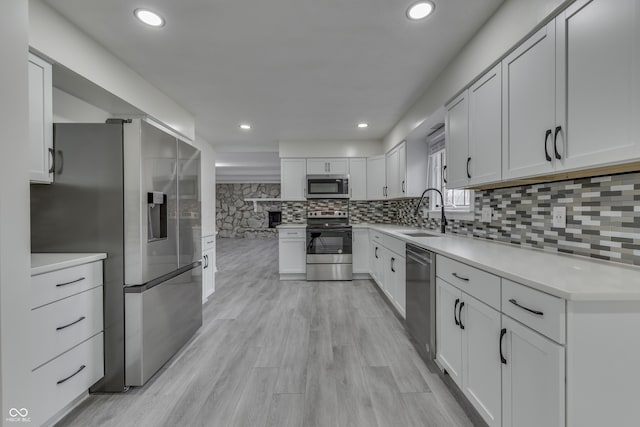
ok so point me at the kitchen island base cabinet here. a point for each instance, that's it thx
(361, 252)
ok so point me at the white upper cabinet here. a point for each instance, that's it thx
(376, 181)
(393, 189)
(485, 128)
(598, 50)
(529, 106)
(328, 166)
(457, 141)
(293, 179)
(40, 121)
(358, 178)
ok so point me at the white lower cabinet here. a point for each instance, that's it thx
(208, 267)
(481, 381)
(376, 262)
(533, 378)
(468, 332)
(388, 269)
(292, 251)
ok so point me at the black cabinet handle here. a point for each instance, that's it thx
(455, 314)
(72, 375)
(466, 279)
(70, 283)
(393, 260)
(468, 173)
(460, 315)
(555, 142)
(52, 165)
(503, 332)
(403, 189)
(59, 328)
(444, 173)
(546, 138)
(536, 312)
(376, 252)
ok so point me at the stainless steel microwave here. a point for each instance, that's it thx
(327, 187)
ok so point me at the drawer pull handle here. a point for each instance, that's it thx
(393, 261)
(460, 315)
(466, 279)
(70, 283)
(503, 332)
(536, 312)
(72, 375)
(59, 328)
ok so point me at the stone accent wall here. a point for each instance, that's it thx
(603, 216)
(236, 218)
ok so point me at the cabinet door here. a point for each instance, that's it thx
(400, 283)
(393, 177)
(317, 166)
(485, 128)
(533, 378)
(376, 180)
(402, 168)
(448, 333)
(528, 106)
(374, 260)
(598, 44)
(358, 178)
(481, 371)
(293, 257)
(293, 179)
(457, 141)
(360, 250)
(338, 166)
(208, 274)
(388, 281)
(40, 120)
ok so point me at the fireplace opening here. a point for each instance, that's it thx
(275, 219)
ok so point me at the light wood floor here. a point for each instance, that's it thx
(280, 354)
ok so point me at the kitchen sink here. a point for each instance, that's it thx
(420, 234)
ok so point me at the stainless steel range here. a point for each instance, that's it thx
(329, 245)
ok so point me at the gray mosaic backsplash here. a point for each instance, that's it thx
(603, 216)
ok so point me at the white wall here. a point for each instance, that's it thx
(15, 248)
(511, 22)
(53, 36)
(330, 148)
(69, 109)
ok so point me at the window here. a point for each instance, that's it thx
(454, 200)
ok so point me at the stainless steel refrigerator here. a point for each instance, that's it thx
(131, 190)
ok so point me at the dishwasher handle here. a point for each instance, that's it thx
(421, 256)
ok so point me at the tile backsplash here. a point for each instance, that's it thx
(603, 216)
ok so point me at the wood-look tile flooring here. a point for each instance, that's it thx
(280, 354)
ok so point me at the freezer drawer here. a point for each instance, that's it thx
(158, 321)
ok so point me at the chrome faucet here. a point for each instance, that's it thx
(443, 219)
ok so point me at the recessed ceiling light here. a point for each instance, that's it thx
(245, 126)
(148, 17)
(363, 125)
(420, 10)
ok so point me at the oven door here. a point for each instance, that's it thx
(329, 245)
(327, 187)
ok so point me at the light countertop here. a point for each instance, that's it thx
(47, 262)
(571, 277)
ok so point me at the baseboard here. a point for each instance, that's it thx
(61, 414)
(293, 276)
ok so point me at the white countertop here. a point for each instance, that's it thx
(44, 263)
(571, 277)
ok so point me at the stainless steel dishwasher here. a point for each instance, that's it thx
(421, 302)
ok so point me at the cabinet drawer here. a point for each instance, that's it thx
(68, 376)
(64, 324)
(477, 283)
(376, 237)
(293, 233)
(55, 285)
(539, 311)
(395, 245)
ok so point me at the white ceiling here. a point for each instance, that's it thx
(294, 69)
